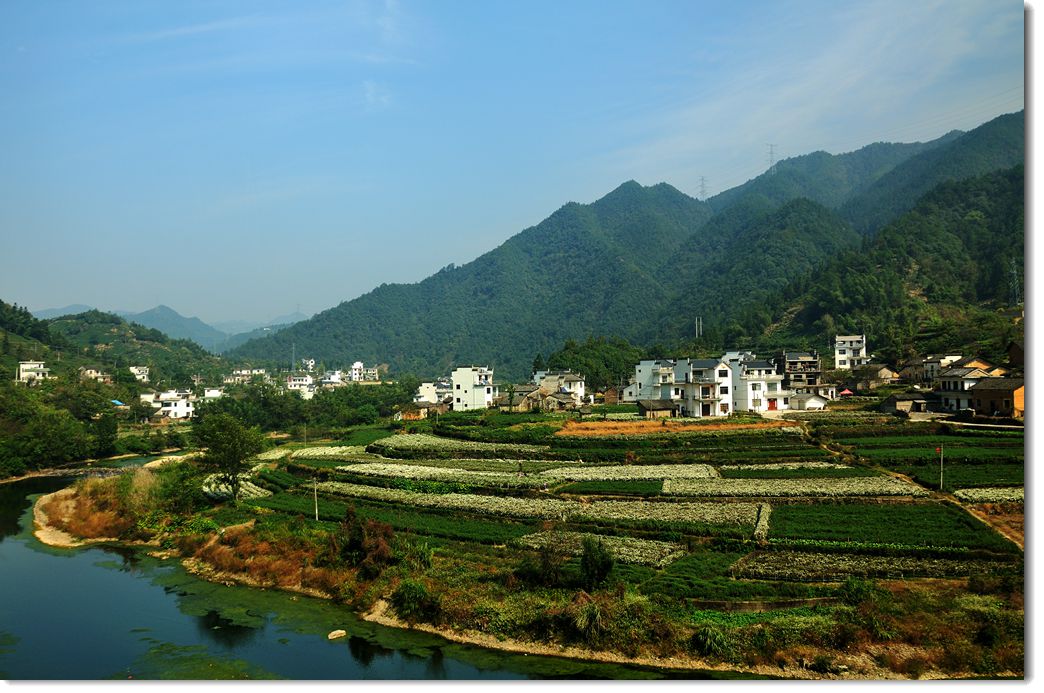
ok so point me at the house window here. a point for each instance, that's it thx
(786, 401)
(489, 390)
(755, 387)
(458, 400)
(841, 352)
(705, 392)
(725, 390)
(842, 362)
(756, 403)
(458, 387)
(723, 373)
(724, 408)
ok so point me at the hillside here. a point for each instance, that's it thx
(642, 263)
(829, 179)
(177, 326)
(934, 279)
(585, 268)
(108, 341)
(998, 144)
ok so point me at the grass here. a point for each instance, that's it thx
(933, 441)
(705, 575)
(403, 520)
(957, 476)
(928, 453)
(914, 524)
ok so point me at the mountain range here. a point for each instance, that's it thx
(216, 338)
(644, 263)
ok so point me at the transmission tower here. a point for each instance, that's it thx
(772, 158)
(703, 188)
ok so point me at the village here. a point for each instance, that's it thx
(742, 382)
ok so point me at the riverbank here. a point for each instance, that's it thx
(869, 664)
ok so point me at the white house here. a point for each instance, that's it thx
(371, 375)
(299, 382)
(562, 382)
(758, 387)
(213, 393)
(473, 388)
(95, 374)
(850, 351)
(308, 364)
(955, 385)
(30, 372)
(808, 401)
(434, 392)
(703, 386)
(934, 365)
(653, 379)
(173, 404)
(140, 373)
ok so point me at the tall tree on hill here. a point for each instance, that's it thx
(229, 444)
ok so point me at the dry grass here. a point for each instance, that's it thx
(653, 427)
(92, 513)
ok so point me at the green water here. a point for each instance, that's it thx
(111, 612)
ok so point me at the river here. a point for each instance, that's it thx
(115, 612)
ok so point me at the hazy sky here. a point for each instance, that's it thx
(238, 159)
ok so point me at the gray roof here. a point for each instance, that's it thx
(997, 384)
(962, 372)
(907, 397)
(704, 363)
(802, 396)
(759, 363)
(656, 404)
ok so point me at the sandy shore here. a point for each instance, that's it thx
(50, 534)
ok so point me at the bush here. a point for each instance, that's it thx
(412, 602)
(596, 563)
(710, 641)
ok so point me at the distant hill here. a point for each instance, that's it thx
(585, 268)
(642, 263)
(114, 343)
(173, 324)
(236, 328)
(57, 312)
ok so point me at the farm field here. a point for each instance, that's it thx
(649, 541)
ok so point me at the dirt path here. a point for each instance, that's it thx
(997, 523)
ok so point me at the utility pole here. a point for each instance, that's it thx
(315, 495)
(941, 453)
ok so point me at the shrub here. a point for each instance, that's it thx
(412, 602)
(595, 563)
(710, 641)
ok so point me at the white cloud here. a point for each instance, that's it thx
(376, 96)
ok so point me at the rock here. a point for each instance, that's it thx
(334, 634)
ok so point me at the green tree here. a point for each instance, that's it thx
(595, 563)
(229, 444)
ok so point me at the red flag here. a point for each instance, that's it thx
(938, 449)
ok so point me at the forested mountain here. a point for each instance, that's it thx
(108, 341)
(177, 326)
(643, 263)
(586, 268)
(934, 279)
(998, 144)
(829, 179)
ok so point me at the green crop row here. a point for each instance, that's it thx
(956, 476)
(801, 473)
(635, 487)
(704, 574)
(928, 524)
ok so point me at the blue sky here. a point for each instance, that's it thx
(236, 160)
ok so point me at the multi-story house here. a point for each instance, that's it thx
(850, 351)
(434, 392)
(31, 372)
(954, 386)
(703, 386)
(936, 364)
(140, 373)
(562, 382)
(371, 375)
(172, 404)
(299, 382)
(473, 388)
(653, 379)
(95, 374)
(802, 373)
(757, 387)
